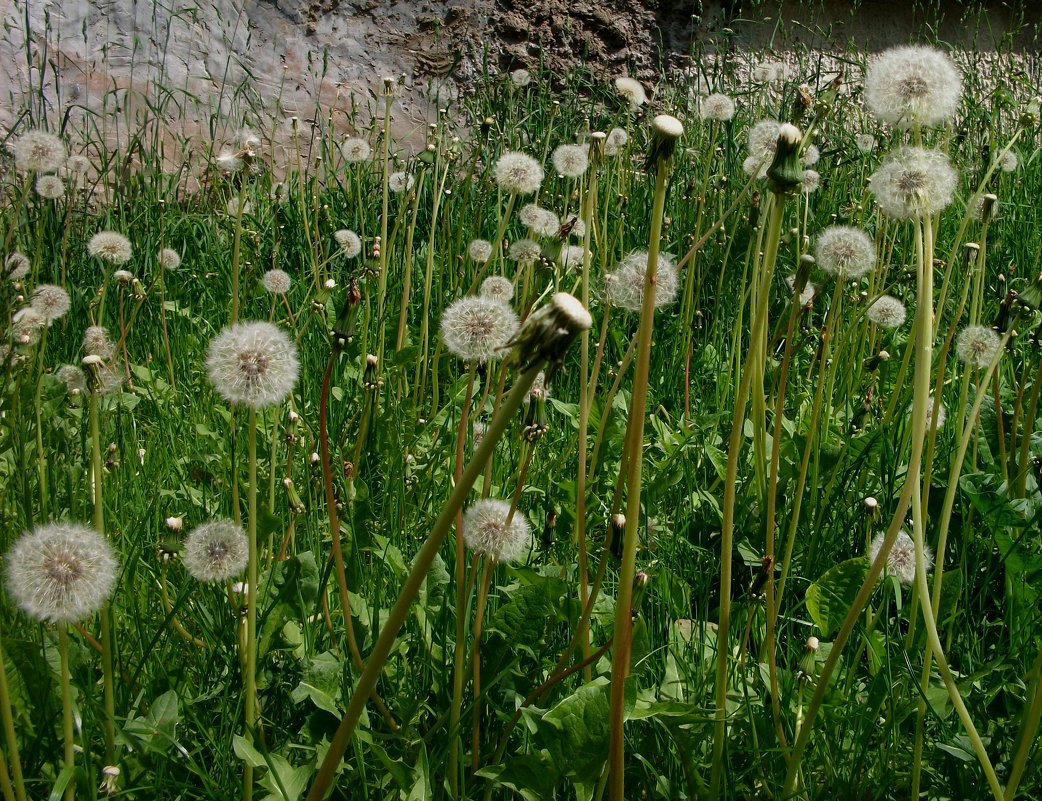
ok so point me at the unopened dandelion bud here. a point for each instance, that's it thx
(971, 250)
(370, 379)
(535, 425)
(665, 131)
(806, 670)
(871, 507)
(314, 458)
(640, 586)
(1029, 117)
(549, 330)
(785, 175)
(296, 505)
(872, 363)
(344, 328)
(93, 365)
(989, 205)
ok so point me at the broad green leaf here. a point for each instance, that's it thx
(830, 597)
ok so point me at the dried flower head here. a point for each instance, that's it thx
(216, 551)
(845, 252)
(73, 378)
(984, 207)
(900, 562)
(616, 141)
(50, 187)
(524, 250)
(518, 173)
(808, 293)
(624, 286)
(520, 77)
(253, 364)
(540, 221)
(754, 166)
(110, 246)
(913, 85)
(96, 342)
(866, 143)
(497, 287)
(277, 282)
(169, 259)
(487, 532)
(571, 256)
(479, 250)
(51, 302)
(38, 151)
(717, 107)
(632, 91)
(356, 150)
(477, 328)
(61, 572)
(349, 242)
(887, 312)
(571, 161)
(913, 181)
(977, 345)
(399, 182)
(16, 266)
(771, 72)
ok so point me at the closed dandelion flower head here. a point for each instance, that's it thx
(717, 107)
(479, 250)
(277, 282)
(169, 259)
(73, 378)
(570, 161)
(486, 531)
(518, 173)
(900, 562)
(496, 287)
(542, 222)
(524, 250)
(845, 252)
(253, 364)
(866, 143)
(977, 345)
(616, 141)
(632, 91)
(913, 180)
(356, 150)
(1009, 161)
(350, 244)
(216, 551)
(96, 342)
(624, 286)
(913, 85)
(110, 246)
(38, 151)
(887, 312)
(810, 181)
(16, 266)
(477, 328)
(399, 182)
(50, 187)
(520, 77)
(61, 572)
(51, 302)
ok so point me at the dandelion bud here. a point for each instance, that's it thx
(971, 250)
(93, 365)
(344, 327)
(640, 586)
(871, 507)
(785, 175)
(370, 379)
(315, 458)
(550, 329)
(296, 505)
(175, 523)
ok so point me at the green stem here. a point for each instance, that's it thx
(1028, 729)
(67, 718)
(9, 733)
(41, 459)
(251, 601)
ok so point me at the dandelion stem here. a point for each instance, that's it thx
(67, 718)
(251, 601)
(9, 732)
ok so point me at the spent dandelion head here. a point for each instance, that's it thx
(913, 181)
(487, 532)
(253, 364)
(478, 328)
(632, 91)
(61, 572)
(913, 85)
(616, 141)
(356, 150)
(497, 287)
(50, 187)
(38, 151)
(540, 221)
(518, 173)
(16, 266)
(479, 250)
(845, 252)
(887, 311)
(571, 256)
(977, 345)
(169, 259)
(810, 181)
(26, 325)
(110, 246)
(276, 282)
(399, 182)
(51, 302)
(215, 551)
(864, 142)
(96, 342)
(808, 293)
(524, 250)
(349, 242)
(73, 378)
(571, 161)
(520, 77)
(717, 108)
(624, 286)
(1009, 161)
(900, 562)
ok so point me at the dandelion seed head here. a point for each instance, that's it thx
(811, 155)
(498, 288)
(845, 252)
(356, 150)
(215, 551)
(540, 221)
(571, 161)
(866, 143)
(771, 72)
(479, 250)
(16, 266)
(1009, 161)
(73, 378)
(977, 345)
(578, 229)
(754, 166)
(96, 342)
(486, 531)
(110, 246)
(524, 250)
(51, 302)
(477, 328)
(984, 204)
(26, 325)
(253, 364)
(900, 562)
(616, 141)
(61, 572)
(810, 181)
(38, 151)
(572, 256)
(77, 165)
(349, 242)
(50, 187)
(229, 162)
(808, 293)
(238, 206)
(933, 408)
(624, 286)
(717, 107)
(913, 85)
(632, 92)
(913, 180)
(399, 182)
(169, 259)
(518, 173)
(276, 282)
(520, 77)
(763, 139)
(887, 312)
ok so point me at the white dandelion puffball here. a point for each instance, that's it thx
(74, 379)
(771, 72)
(540, 221)
(810, 181)
(518, 173)
(845, 252)
(486, 531)
(50, 187)
(755, 167)
(520, 77)
(498, 288)
(96, 342)
(572, 256)
(253, 364)
(26, 325)
(571, 161)
(229, 162)
(169, 259)
(913, 181)
(479, 250)
(77, 165)
(38, 151)
(216, 551)
(16, 266)
(61, 572)
(887, 312)
(110, 246)
(349, 242)
(717, 107)
(399, 182)
(356, 150)
(763, 139)
(866, 143)
(238, 207)
(941, 412)
(51, 302)
(1009, 161)
(900, 562)
(616, 141)
(977, 345)
(578, 229)
(477, 328)
(913, 85)
(624, 286)
(524, 250)
(632, 91)
(811, 156)
(276, 282)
